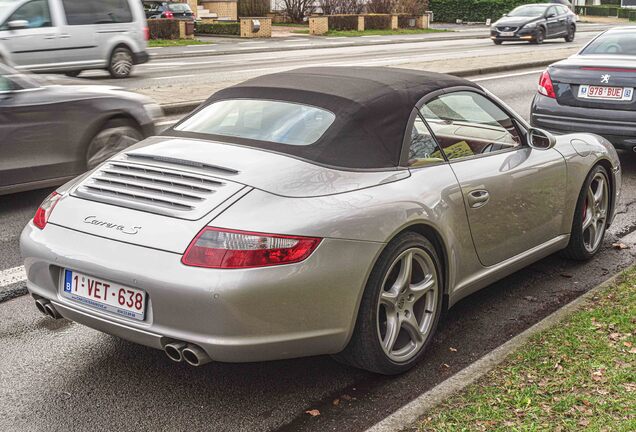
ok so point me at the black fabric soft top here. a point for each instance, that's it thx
(372, 106)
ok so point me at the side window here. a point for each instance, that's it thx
(79, 12)
(551, 11)
(467, 124)
(84, 12)
(112, 11)
(6, 84)
(35, 12)
(423, 149)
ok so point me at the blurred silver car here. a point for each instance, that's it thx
(51, 133)
(318, 211)
(70, 36)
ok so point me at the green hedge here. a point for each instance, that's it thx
(377, 22)
(219, 28)
(611, 2)
(343, 22)
(473, 10)
(163, 28)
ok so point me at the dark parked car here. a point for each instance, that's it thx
(535, 23)
(163, 9)
(51, 133)
(592, 91)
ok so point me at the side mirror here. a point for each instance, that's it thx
(18, 24)
(540, 140)
(550, 15)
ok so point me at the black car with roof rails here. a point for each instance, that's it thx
(156, 9)
(535, 23)
(592, 91)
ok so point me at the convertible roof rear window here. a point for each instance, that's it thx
(347, 117)
(262, 120)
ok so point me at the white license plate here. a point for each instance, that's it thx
(106, 296)
(606, 93)
(507, 34)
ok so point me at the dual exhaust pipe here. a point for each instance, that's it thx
(47, 308)
(190, 353)
(176, 351)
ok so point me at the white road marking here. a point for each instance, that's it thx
(298, 45)
(508, 75)
(199, 51)
(253, 42)
(173, 76)
(12, 275)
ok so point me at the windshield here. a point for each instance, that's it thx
(528, 11)
(261, 120)
(619, 43)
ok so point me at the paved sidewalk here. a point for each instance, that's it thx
(230, 45)
(178, 98)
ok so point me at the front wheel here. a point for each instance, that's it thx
(115, 136)
(590, 219)
(540, 36)
(571, 33)
(121, 63)
(400, 308)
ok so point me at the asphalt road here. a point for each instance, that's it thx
(196, 71)
(57, 375)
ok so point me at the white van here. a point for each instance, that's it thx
(70, 36)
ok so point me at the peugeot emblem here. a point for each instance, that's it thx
(605, 79)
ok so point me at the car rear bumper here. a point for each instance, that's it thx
(141, 57)
(270, 313)
(618, 127)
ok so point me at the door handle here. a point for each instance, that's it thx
(65, 36)
(478, 198)
(50, 37)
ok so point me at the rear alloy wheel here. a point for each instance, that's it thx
(571, 33)
(590, 220)
(121, 63)
(115, 136)
(540, 36)
(400, 308)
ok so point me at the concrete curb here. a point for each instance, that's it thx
(411, 412)
(186, 107)
(347, 45)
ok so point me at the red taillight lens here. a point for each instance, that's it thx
(545, 85)
(229, 249)
(146, 33)
(168, 15)
(44, 211)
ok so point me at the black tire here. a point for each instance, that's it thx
(114, 136)
(540, 36)
(120, 63)
(576, 249)
(571, 34)
(497, 42)
(364, 350)
(73, 74)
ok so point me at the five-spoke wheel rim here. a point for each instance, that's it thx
(407, 305)
(109, 142)
(122, 63)
(595, 212)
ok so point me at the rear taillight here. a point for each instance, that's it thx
(168, 15)
(44, 211)
(146, 33)
(230, 249)
(545, 85)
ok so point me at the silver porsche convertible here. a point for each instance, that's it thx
(319, 211)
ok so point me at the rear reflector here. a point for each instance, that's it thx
(545, 85)
(43, 212)
(230, 249)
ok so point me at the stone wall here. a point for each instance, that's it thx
(247, 25)
(225, 10)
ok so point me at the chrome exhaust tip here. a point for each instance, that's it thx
(195, 356)
(50, 311)
(41, 305)
(174, 351)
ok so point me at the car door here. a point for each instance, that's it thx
(513, 194)
(34, 133)
(78, 39)
(554, 26)
(34, 44)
